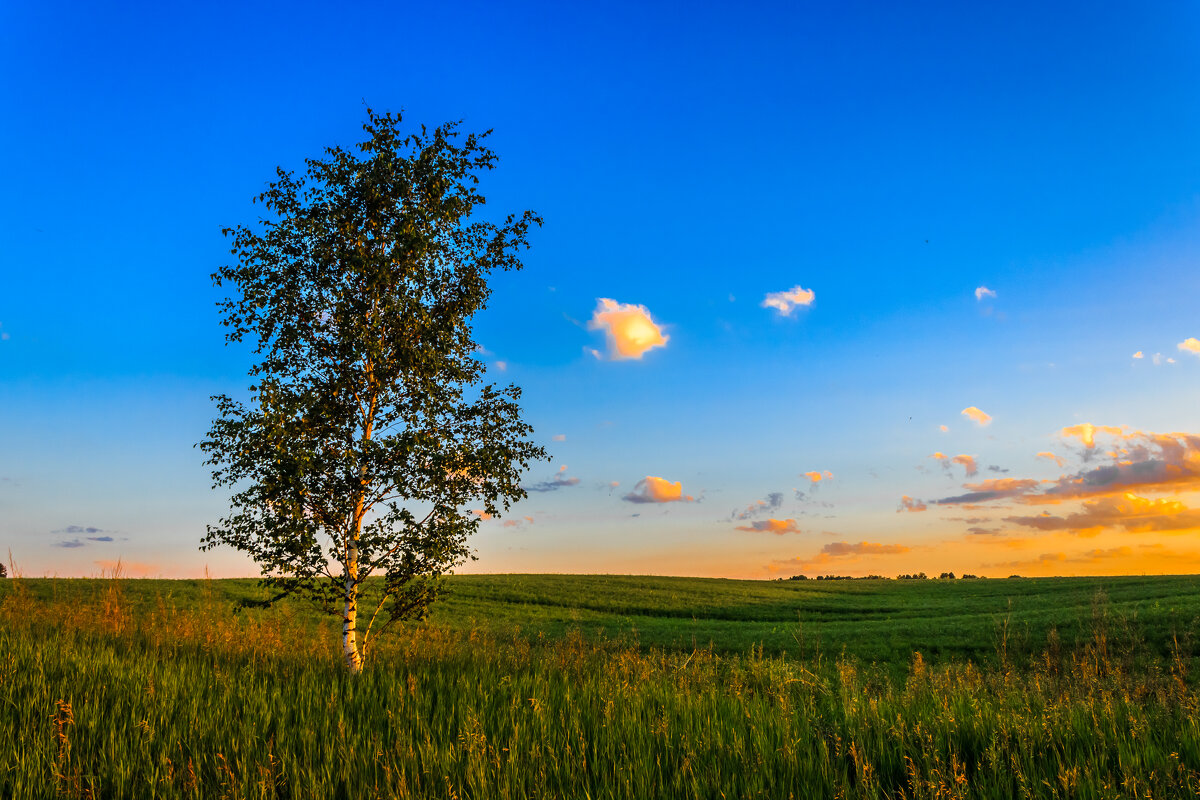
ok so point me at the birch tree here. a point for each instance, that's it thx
(368, 433)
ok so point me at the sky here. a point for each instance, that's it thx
(838, 288)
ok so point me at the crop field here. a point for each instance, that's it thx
(609, 687)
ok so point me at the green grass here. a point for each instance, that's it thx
(591, 686)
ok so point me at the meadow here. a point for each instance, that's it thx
(609, 687)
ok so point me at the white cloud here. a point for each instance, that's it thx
(983, 291)
(787, 302)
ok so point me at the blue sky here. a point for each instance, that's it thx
(689, 160)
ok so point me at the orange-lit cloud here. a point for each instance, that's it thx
(628, 327)
(1046, 454)
(518, 523)
(657, 490)
(483, 515)
(776, 526)
(1052, 559)
(817, 477)
(944, 428)
(1190, 345)
(1086, 432)
(976, 415)
(1128, 512)
(842, 553)
(787, 302)
(967, 462)
(908, 504)
(982, 292)
(1139, 354)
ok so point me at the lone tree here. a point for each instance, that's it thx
(369, 432)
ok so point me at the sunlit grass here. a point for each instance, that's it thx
(118, 692)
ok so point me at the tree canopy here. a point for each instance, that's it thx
(369, 433)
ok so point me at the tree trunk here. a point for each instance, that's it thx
(350, 616)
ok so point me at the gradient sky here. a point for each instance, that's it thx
(799, 242)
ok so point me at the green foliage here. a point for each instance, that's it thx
(369, 432)
(119, 690)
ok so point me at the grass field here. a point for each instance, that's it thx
(595, 686)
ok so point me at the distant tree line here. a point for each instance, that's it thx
(918, 576)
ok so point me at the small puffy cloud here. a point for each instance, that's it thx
(1190, 345)
(976, 415)
(787, 302)
(965, 461)
(77, 529)
(944, 428)
(909, 504)
(518, 523)
(1046, 454)
(759, 507)
(1086, 433)
(817, 477)
(628, 327)
(776, 526)
(559, 481)
(1140, 354)
(651, 489)
(479, 512)
(983, 291)
(559, 437)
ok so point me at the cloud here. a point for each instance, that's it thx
(967, 462)
(77, 529)
(1128, 512)
(776, 526)
(787, 302)
(908, 504)
(502, 366)
(1190, 345)
(1086, 432)
(559, 481)
(772, 503)
(1139, 354)
(976, 415)
(518, 523)
(817, 477)
(559, 437)
(1046, 454)
(628, 327)
(991, 489)
(72, 543)
(841, 553)
(483, 515)
(944, 428)
(863, 548)
(1052, 559)
(657, 490)
(983, 291)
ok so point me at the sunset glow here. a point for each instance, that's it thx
(823, 289)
